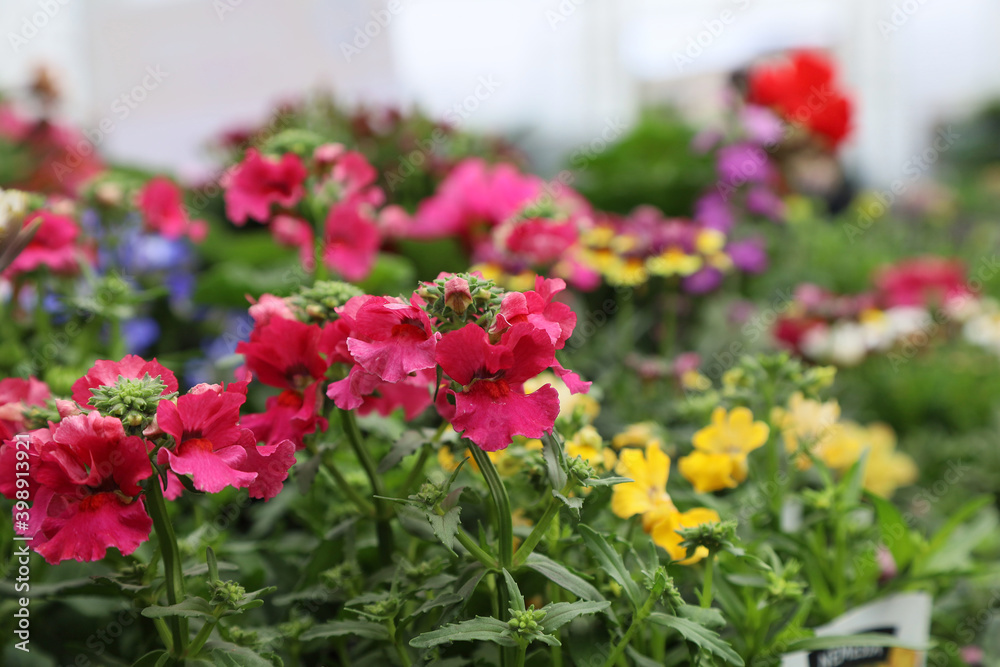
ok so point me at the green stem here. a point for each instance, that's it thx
(542, 527)
(505, 530)
(383, 509)
(476, 551)
(361, 503)
(522, 651)
(397, 640)
(773, 446)
(173, 575)
(206, 631)
(706, 591)
(637, 622)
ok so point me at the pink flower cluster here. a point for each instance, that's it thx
(57, 246)
(512, 221)
(284, 193)
(389, 353)
(161, 203)
(86, 466)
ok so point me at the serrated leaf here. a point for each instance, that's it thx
(479, 629)
(711, 618)
(192, 607)
(559, 614)
(555, 462)
(851, 641)
(560, 575)
(698, 634)
(611, 562)
(445, 526)
(351, 628)
(403, 446)
(513, 592)
(226, 654)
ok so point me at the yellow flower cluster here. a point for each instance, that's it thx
(814, 429)
(719, 460)
(646, 495)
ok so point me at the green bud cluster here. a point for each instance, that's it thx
(133, 401)
(713, 535)
(228, 594)
(430, 494)
(486, 298)
(581, 470)
(526, 622)
(317, 303)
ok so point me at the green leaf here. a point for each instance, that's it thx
(192, 607)
(443, 600)
(606, 481)
(513, 592)
(895, 533)
(445, 526)
(225, 654)
(153, 659)
(699, 635)
(356, 628)
(852, 485)
(612, 563)
(560, 575)
(404, 446)
(710, 618)
(555, 462)
(479, 629)
(559, 614)
(966, 511)
(850, 641)
(956, 553)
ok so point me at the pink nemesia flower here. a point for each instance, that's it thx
(105, 373)
(16, 394)
(269, 306)
(491, 406)
(162, 207)
(88, 476)
(351, 241)
(294, 232)
(391, 338)
(53, 246)
(365, 392)
(258, 182)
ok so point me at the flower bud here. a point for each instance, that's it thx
(457, 295)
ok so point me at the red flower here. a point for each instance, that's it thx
(390, 338)
(162, 207)
(53, 246)
(352, 241)
(105, 373)
(491, 406)
(258, 182)
(16, 394)
(88, 476)
(922, 281)
(213, 448)
(803, 90)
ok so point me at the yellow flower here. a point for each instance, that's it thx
(886, 469)
(673, 261)
(720, 261)
(648, 489)
(735, 434)
(695, 381)
(629, 273)
(664, 533)
(712, 472)
(805, 423)
(447, 460)
(588, 445)
(623, 243)
(841, 447)
(710, 241)
(489, 271)
(599, 236)
(521, 282)
(636, 435)
(603, 259)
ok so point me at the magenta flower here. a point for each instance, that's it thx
(16, 394)
(491, 406)
(88, 477)
(391, 338)
(258, 182)
(351, 241)
(294, 232)
(105, 373)
(162, 207)
(54, 246)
